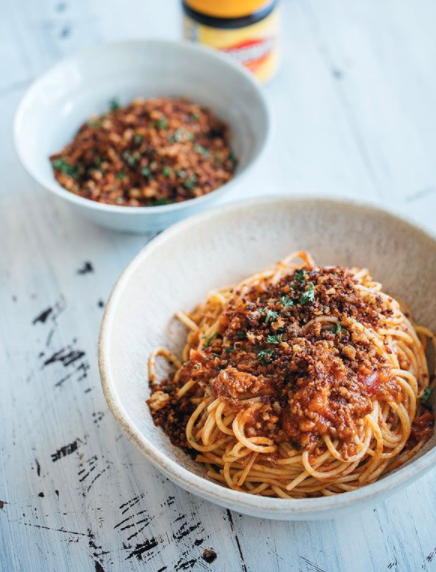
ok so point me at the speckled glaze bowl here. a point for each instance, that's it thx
(177, 269)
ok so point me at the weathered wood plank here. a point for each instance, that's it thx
(353, 110)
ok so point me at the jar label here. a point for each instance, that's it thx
(254, 46)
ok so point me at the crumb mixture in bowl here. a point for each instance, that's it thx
(148, 153)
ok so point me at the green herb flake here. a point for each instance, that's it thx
(190, 183)
(274, 339)
(145, 171)
(179, 134)
(138, 138)
(130, 159)
(195, 116)
(162, 123)
(270, 315)
(231, 157)
(229, 350)
(286, 301)
(94, 123)
(114, 104)
(426, 396)
(216, 355)
(63, 167)
(180, 173)
(265, 356)
(120, 175)
(160, 202)
(201, 150)
(167, 171)
(241, 335)
(309, 295)
(174, 138)
(300, 275)
(209, 340)
(337, 328)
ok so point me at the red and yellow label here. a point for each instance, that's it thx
(255, 46)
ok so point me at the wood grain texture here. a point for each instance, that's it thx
(354, 116)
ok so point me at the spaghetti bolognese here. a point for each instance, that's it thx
(300, 381)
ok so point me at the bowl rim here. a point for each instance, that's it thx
(95, 51)
(266, 507)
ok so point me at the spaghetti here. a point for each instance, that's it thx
(300, 381)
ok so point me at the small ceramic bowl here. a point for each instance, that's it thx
(177, 269)
(81, 86)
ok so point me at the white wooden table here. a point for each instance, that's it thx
(355, 115)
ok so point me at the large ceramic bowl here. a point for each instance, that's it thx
(177, 269)
(81, 86)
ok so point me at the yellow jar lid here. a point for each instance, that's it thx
(226, 8)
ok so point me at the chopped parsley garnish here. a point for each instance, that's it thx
(138, 138)
(209, 340)
(274, 339)
(180, 173)
(98, 161)
(162, 123)
(145, 171)
(160, 202)
(179, 134)
(130, 159)
(167, 171)
(337, 328)
(232, 160)
(229, 350)
(190, 183)
(216, 355)
(426, 396)
(271, 315)
(195, 116)
(114, 104)
(265, 356)
(300, 275)
(120, 175)
(241, 335)
(64, 167)
(286, 301)
(94, 123)
(201, 150)
(309, 295)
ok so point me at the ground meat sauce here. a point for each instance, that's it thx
(148, 153)
(422, 429)
(171, 414)
(310, 380)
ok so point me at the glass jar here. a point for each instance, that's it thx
(247, 30)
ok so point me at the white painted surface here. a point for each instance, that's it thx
(354, 113)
